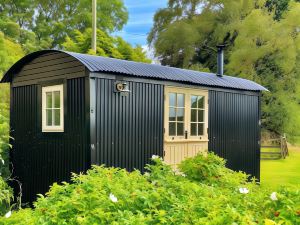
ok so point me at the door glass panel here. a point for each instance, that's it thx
(172, 99)
(193, 101)
(180, 114)
(200, 129)
(180, 100)
(194, 115)
(56, 99)
(172, 114)
(197, 115)
(176, 114)
(172, 128)
(200, 115)
(200, 102)
(180, 129)
(194, 129)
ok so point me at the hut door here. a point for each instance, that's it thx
(186, 121)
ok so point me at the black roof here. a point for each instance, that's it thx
(144, 70)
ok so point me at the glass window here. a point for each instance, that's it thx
(176, 114)
(197, 115)
(52, 109)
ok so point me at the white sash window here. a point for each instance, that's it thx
(52, 109)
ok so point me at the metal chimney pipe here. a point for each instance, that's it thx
(220, 60)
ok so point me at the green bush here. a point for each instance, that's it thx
(4, 135)
(5, 196)
(201, 193)
(210, 169)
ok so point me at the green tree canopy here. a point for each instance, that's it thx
(262, 39)
(52, 20)
(107, 45)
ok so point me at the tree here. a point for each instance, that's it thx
(10, 52)
(260, 47)
(51, 21)
(106, 46)
(278, 7)
(192, 33)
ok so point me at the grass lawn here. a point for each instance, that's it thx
(283, 171)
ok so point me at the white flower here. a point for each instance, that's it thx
(273, 196)
(244, 190)
(155, 157)
(113, 198)
(179, 173)
(147, 174)
(8, 214)
(2, 160)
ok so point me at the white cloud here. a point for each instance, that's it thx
(150, 54)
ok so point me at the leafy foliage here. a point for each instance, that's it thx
(210, 169)
(47, 23)
(262, 39)
(10, 52)
(5, 196)
(200, 195)
(107, 45)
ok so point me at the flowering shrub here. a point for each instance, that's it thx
(195, 195)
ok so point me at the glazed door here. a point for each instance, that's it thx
(186, 121)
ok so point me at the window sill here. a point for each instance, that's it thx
(52, 131)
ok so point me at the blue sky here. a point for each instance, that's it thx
(140, 21)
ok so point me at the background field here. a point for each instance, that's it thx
(283, 171)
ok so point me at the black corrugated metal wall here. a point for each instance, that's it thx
(129, 129)
(39, 159)
(234, 130)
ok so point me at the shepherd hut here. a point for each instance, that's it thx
(70, 111)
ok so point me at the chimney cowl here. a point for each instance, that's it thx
(220, 60)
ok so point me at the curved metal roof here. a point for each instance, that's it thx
(144, 70)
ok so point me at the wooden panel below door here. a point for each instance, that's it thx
(176, 151)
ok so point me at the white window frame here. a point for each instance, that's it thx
(45, 127)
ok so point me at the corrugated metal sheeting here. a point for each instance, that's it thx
(129, 129)
(234, 130)
(110, 65)
(39, 159)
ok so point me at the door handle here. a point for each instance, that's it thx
(186, 134)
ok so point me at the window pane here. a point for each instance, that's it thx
(49, 100)
(194, 129)
(201, 102)
(172, 115)
(49, 117)
(200, 128)
(200, 115)
(172, 99)
(172, 129)
(56, 117)
(194, 115)
(194, 101)
(56, 99)
(180, 129)
(180, 100)
(180, 114)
